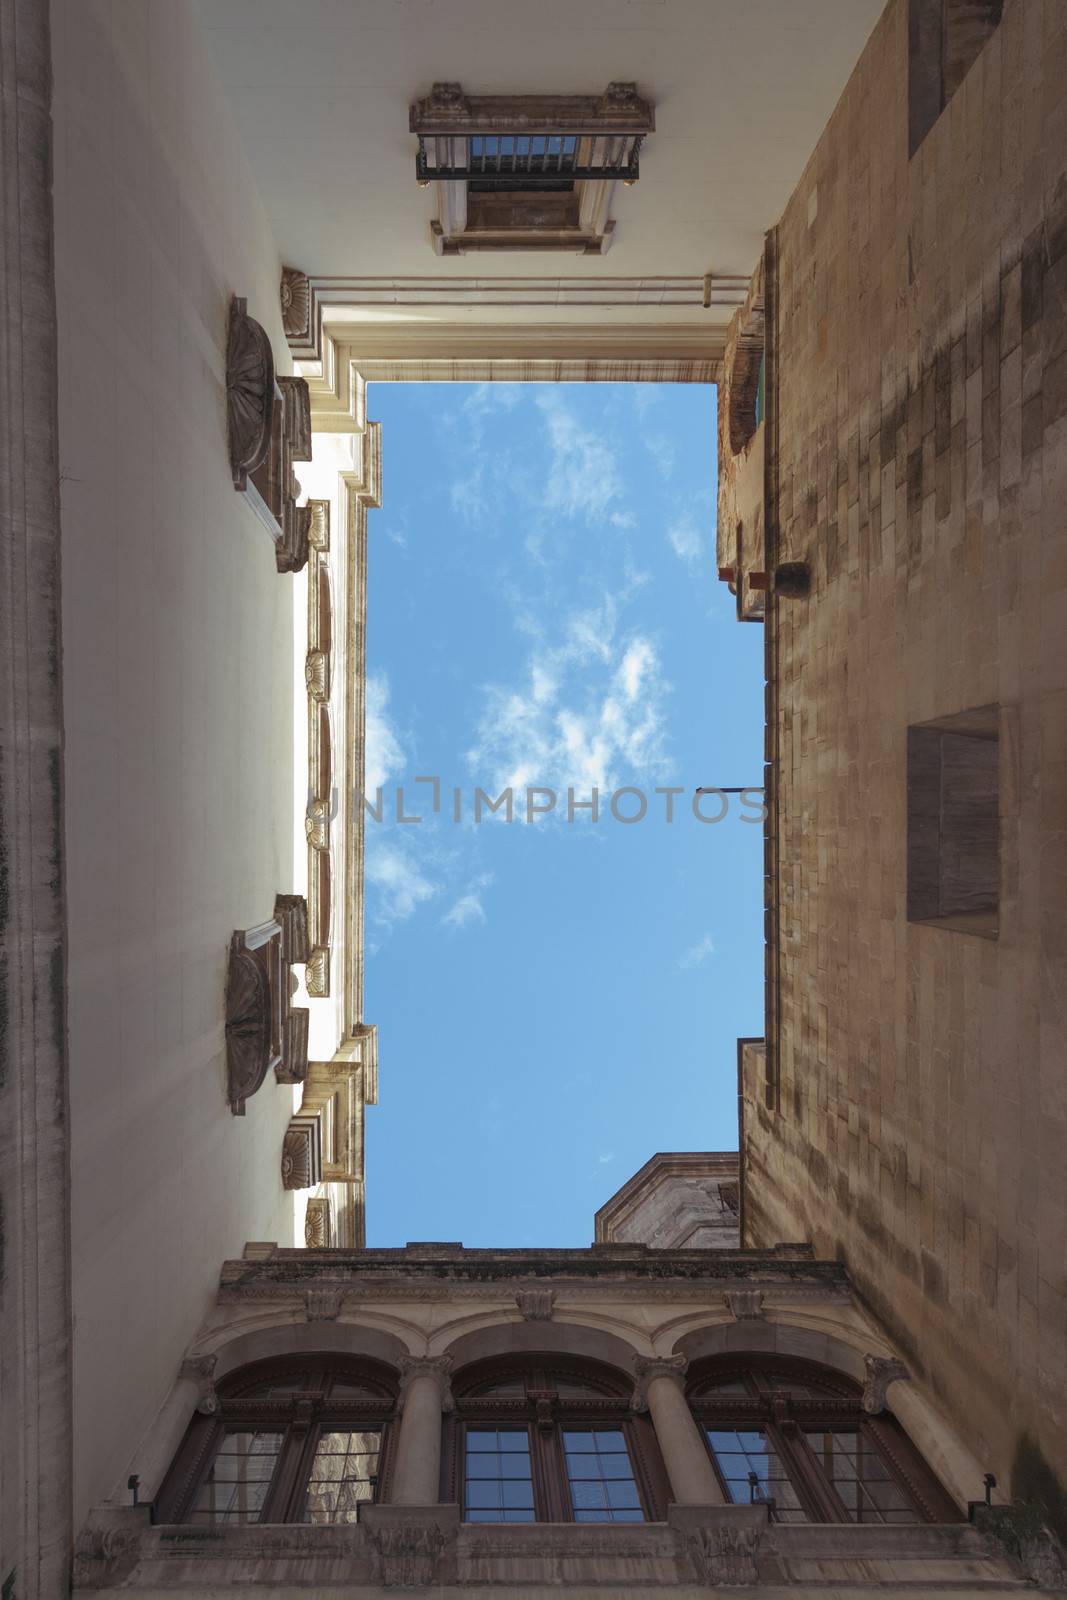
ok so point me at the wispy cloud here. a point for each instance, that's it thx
(384, 751)
(468, 908)
(697, 954)
(685, 538)
(589, 711)
(399, 883)
(582, 478)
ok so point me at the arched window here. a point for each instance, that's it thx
(301, 1440)
(795, 1434)
(549, 1439)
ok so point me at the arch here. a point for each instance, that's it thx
(307, 1339)
(764, 1337)
(541, 1338)
(596, 1377)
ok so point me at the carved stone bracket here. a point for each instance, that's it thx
(296, 304)
(536, 1305)
(302, 1153)
(263, 1029)
(251, 392)
(269, 427)
(439, 1367)
(881, 1371)
(317, 1223)
(201, 1371)
(745, 1305)
(648, 1367)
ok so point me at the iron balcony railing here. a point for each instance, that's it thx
(518, 160)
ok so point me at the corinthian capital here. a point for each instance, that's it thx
(647, 1368)
(437, 1367)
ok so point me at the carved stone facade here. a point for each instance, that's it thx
(263, 1029)
(269, 425)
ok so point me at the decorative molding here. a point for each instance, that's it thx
(406, 1554)
(536, 1305)
(302, 1153)
(646, 1368)
(881, 1371)
(324, 1302)
(317, 1223)
(744, 1305)
(437, 1367)
(295, 294)
(317, 972)
(449, 110)
(291, 915)
(251, 393)
(319, 677)
(723, 1555)
(201, 1371)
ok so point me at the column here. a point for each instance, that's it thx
(424, 1396)
(660, 1390)
(35, 1328)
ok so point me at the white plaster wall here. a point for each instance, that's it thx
(178, 643)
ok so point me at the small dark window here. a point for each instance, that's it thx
(945, 38)
(954, 822)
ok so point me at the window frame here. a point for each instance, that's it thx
(837, 1407)
(301, 1418)
(546, 1414)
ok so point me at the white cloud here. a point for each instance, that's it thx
(583, 474)
(384, 752)
(603, 1160)
(399, 883)
(589, 712)
(685, 539)
(697, 954)
(468, 908)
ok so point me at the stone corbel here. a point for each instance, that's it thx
(881, 1371)
(536, 1305)
(302, 1153)
(318, 675)
(296, 305)
(646, 1368)
(269, 427)
(317, 1223)
(201, 1371)
(745, 1305)
(263, 1029)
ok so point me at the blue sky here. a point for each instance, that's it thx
(555, 1001)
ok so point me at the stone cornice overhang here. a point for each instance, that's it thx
(437, 1271)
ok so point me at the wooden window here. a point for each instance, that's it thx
(795, 1435)
(945, 38)
(299, 1441)
(954, 822)
(542, 1439)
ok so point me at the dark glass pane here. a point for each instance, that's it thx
(601, 1476)
(497, 1481)
(518, 1492)
(483, 1494)
(483, 1465)
(851, 1463)
(588, 1492)
(743, 1451)
(343, 1475)
(236, 1487)
(623, 1494)
(578, 1441)
(480, 1440)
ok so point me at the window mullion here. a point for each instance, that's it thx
(284, 1503)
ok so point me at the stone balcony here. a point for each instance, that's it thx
(405, 1547)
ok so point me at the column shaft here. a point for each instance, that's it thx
(689, 1468)
(417, 1475)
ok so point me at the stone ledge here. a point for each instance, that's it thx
(427, 1546)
